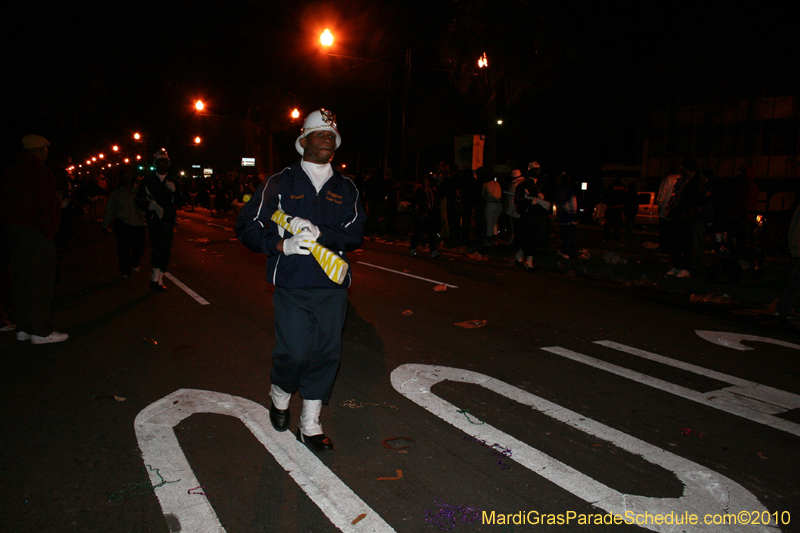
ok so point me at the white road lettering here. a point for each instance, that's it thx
(199, 299)
(705, 491)
(734, 340)
(409, 275)
(160, 448)
(731, 400)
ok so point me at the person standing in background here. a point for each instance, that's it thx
(128, 222)
(31, 212)
(159, 197)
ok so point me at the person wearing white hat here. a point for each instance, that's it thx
(159, 197)
(31, 213)
(309, 308)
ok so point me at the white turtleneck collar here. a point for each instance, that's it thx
(161, 176)
(319, 174)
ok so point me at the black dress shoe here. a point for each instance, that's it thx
(157, 287)
(280, 418)
(317, 443)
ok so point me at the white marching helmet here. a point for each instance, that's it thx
(320, 120)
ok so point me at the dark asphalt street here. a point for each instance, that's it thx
(576, 398)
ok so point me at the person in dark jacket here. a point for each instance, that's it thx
(309, 308)
(31, 209)
(424, 216)
(159, 196)
(533, 211)
(615, 202)
(683, 210)
(630, 206)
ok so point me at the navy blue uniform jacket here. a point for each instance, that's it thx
(336, 210)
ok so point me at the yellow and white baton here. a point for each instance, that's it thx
(334, 266)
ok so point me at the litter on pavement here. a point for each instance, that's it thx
(471, 324)
(613, 259)
(440, 288)
(446, 517)
(399, 476)
(397, 443)
(408, 312)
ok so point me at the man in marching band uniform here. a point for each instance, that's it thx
(309, 308)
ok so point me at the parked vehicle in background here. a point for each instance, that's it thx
(648, 209)
(647, 214)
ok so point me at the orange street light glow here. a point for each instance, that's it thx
(101, 156)
(326, 38)
(199, 105)
(483, 61)
(197, 140)
(115, 148)
(94, 159)
(136, 136)
(295, 113)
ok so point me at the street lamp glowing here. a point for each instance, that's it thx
(94, 159)
(199, 105)
(499, 121)
(115, 148)
(127, 160)
(483, 62)
(137, 136)
(101, 156)
(326, 38)
(197, 140)
(295, 113)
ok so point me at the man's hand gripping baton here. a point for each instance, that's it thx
(334, 266)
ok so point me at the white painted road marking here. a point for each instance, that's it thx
(734, 340)
(187, 290)
(705, 491)
(768, 396)
(226, 228)
(726, 400)
(160, 449)
(407, 274)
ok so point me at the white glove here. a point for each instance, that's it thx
(297, 224)
(170, 186)
(298, 244)
(153, 206)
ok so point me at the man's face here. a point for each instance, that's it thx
(318, 146)
(162, 165)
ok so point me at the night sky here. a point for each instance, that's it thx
(88, 74)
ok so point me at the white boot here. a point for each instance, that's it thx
(309, 420)
(280, 399)
(156, 275)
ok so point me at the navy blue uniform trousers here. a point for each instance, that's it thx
(308, 340)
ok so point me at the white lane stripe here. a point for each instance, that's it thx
(160, 449)
(226, 228)
(705, 491)
(734, 340)
(751, 410)
(407, 274)
(759, 392)
(187, 290)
